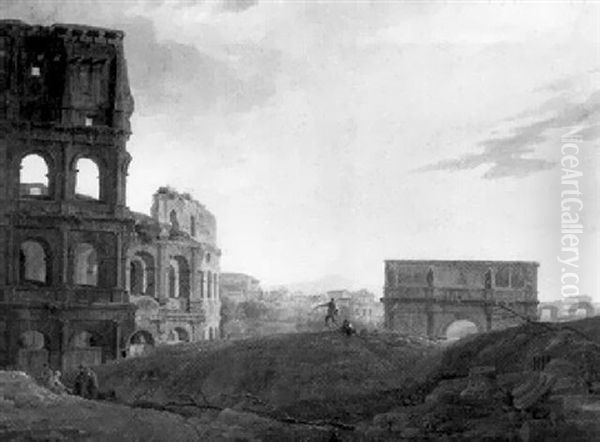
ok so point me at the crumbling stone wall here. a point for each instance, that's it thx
(184, 215)
(178, 268)
(425, 297)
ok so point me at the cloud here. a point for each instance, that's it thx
(238, 5)
(509, 155)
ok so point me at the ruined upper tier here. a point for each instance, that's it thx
(63, 76)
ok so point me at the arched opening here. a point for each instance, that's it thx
(85, 348)
(137, 277)
(193, 226)
(141, 276)
(487, 279)
(209, 285)
(172, 281)
(581, 310)
(460, 328)
(85, 265)
(182, 335)
(87, 179)
(141, 342)
(33, 263)
(173, 220)
(503, 277)
(84, 339)
(32, 355)
(33, 177)
(32, 340)
(182, 276)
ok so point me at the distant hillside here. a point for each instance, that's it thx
(325, 284)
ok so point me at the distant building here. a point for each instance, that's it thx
(173, 272)
(239, 286)
(427, 297)
(359, 307)
(567, 309)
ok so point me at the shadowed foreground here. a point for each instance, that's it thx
(534, 382)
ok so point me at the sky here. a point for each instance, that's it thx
(329, 136)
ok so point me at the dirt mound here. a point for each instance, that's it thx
(514, 349)
(534, 382)
(307, 375)
(30, 412)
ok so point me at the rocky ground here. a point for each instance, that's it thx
(536, 382)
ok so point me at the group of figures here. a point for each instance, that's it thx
(85, 385)
(51, 380)
(332, 311)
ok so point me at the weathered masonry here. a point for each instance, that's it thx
(65, 105)
(173, 273)
(426, 297)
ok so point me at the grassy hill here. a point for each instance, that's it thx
(327, 386)
(307, 375)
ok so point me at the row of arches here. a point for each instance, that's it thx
(35, 340)
(35, 263)
(143, 341)
(35, 349)
(35, 180)
(143, 273)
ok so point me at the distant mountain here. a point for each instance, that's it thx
(325, 284)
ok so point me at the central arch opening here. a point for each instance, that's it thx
(460, 328)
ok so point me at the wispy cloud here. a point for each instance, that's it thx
(510, 155)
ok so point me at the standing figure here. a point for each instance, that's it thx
(46, 376)
(56, 385)
(91, 387)
(80, 382)
(332, 311)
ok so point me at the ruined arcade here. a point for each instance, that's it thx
(426, 297)
(65, 99)
(173, 272)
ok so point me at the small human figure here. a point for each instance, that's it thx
(46, 376)
(347, 328)
(80, 382)
(56, 385)
(91, 387)
(332, 311)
